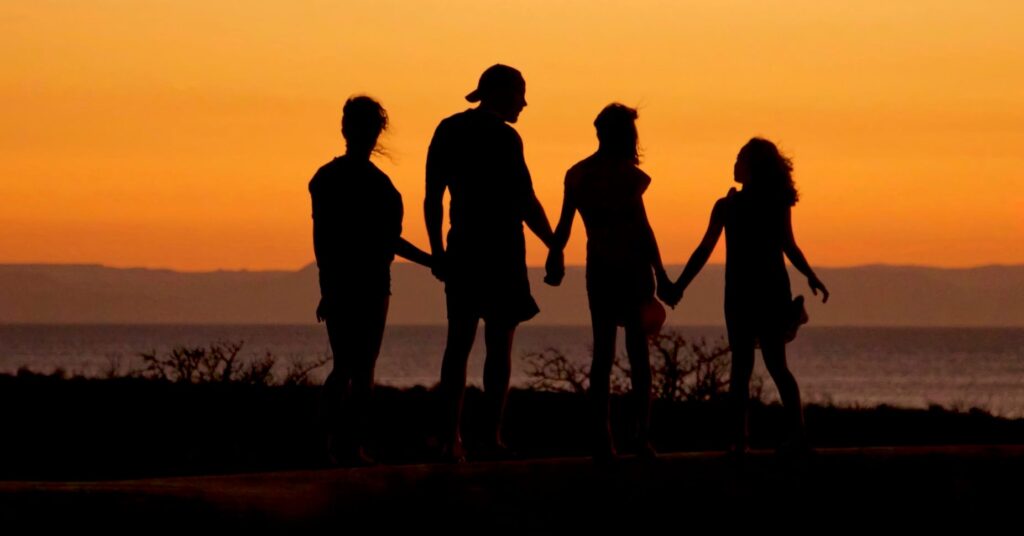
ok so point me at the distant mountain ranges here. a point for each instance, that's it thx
(876, 295)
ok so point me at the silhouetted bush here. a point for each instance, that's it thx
(682, 370)
(220, 362)
(551, 371)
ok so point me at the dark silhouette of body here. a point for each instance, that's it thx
(758, 302)
(357, 227)
(478, 158)
(622, 262)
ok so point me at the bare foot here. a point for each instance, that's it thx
(453, 452)
(646, 452)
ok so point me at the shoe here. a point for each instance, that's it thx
(605, 453)
(794, 450)
(736, 453)
(453, 453)
(361, 459)
(350, 458)
(646, 452)
(495, 452)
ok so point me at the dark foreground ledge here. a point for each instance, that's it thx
(833, 490)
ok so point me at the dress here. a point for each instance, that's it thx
(757, 291)
(609, 196)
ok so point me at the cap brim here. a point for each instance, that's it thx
(474, 96)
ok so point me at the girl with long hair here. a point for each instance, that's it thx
(759, 307)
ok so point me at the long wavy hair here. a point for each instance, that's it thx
(616, 133)
(363, 120)
(770, 171)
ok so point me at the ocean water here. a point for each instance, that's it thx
(908, 367)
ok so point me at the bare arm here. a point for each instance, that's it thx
(666, 290)
(652, 244)
(565, 219)
(707, 245)
(433, 206)
(533, 212)
(796, 257)
(408, 251)
(433, 213)
(320, 252)
(318, 240)
(537, 220)
(555, 265)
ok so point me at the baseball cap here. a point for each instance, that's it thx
(496, 78)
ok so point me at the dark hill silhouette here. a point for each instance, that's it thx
(876, 295)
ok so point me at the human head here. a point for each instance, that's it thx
(762, 168)
(616, 132)
(502, 90)
(362, 121)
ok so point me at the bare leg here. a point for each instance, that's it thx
(600, 376)
(497, 372)
(355, 342)
(461, 333)
(739, 388)
(367, 348)
(774, 352)
(640, 376)
(338, 393)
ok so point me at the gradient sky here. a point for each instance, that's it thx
(182, 134)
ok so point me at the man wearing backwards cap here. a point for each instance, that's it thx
(478, 157)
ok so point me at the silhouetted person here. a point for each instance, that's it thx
(478, 158)
(758, 304)
(622, 262)
(357, 227)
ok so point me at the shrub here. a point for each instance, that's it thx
(682, 370)
(220, 362)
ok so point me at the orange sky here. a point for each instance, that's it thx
(182, 134)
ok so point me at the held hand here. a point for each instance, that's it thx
(321, 311)
(554, 268)
(665, 296)
(663, 280)
(817, 285)
(438, 266)
(677, 293)
(664, 289)
(669, 292)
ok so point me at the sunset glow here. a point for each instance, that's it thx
(183, 134)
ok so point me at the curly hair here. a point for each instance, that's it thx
(771, 172)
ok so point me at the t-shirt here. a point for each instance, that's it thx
(357, 222)
(479, 158)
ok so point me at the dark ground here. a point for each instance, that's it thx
(837, 490)
(89, 429)
(143, 456)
